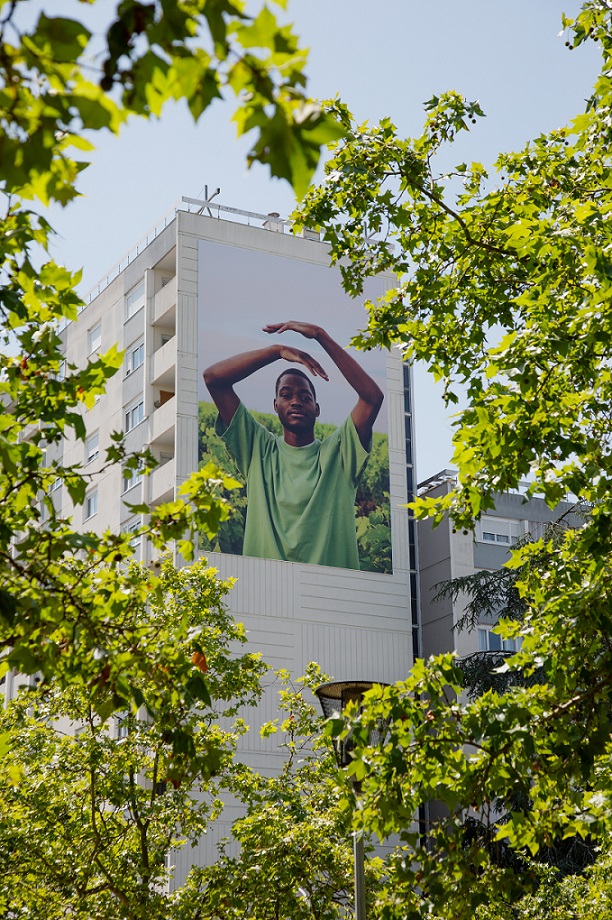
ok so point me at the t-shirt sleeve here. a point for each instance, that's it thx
(353, 453)
(240, 437)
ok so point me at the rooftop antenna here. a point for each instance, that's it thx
(216, 192)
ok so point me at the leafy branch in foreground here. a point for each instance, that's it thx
(502, 286)
(59, 80)
(586, 897)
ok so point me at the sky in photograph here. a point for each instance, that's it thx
(242, 290)
(384, 58)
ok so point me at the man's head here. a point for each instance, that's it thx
(296, 372)
(296, 403)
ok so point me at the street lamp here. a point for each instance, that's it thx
(333, 698)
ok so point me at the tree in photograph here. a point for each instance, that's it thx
(503, 288)
(92, 808)
(66, 595)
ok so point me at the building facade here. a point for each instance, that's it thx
(201, 285)
(447, 553)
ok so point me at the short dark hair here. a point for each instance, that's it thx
(298, 373)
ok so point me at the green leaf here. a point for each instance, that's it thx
(64, 38)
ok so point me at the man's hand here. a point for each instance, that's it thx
(308, 330)
(302, 357)
(221, 377)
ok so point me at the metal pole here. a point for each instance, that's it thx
(360, 900)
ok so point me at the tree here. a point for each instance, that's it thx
(68, 603)
(503, 286)
(295, 858)
(585, 897)
(91, 808)
(492, 596)
(94, 811)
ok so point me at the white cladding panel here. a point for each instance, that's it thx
(353, 624)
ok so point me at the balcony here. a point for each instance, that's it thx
(164, 309)
(163, 365)
(161, 483)
(162, 424)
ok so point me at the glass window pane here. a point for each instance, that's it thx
(92, 447)
(495, 642)
(134, 300)
(91, 504)
(95, 338)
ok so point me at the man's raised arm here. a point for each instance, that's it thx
(370, 396)
(221, 377)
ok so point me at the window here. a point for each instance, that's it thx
(135, 300)
(134, 357)
(134, 415)
(91, 505)
(123, 725)
(502, 531)
(165, 338)
(131, 478)
(132, 526)
(92, 447)
(489, 641)
(94, 338)
(489, 537)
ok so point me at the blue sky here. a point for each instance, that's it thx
(385, 58)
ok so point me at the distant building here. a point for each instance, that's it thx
(447, 553)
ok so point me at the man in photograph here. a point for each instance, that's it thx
(300, 491)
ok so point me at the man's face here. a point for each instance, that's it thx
(295, 404)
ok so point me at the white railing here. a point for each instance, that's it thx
(123, 263)
(198, 206)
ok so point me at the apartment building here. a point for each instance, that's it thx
(447, 553)
(201, 287)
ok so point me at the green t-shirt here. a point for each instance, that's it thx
(301, 500)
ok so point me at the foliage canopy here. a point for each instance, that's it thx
(91, 807)
(503, 288)
(295, 858)
(95, 813)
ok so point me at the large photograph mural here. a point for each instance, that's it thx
(295, 439)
